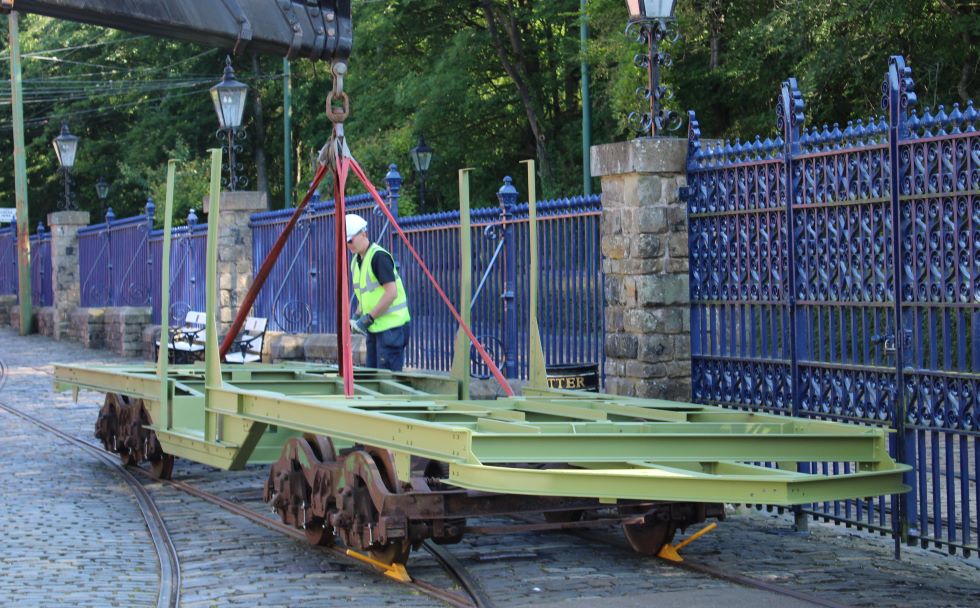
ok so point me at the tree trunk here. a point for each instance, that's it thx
(262, 176)
(516, 71)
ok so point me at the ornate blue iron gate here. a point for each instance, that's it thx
(114, 261)
(187, 270)
(808, 297)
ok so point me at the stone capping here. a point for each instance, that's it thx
(124, 329)
(643, 155)
(239, 200)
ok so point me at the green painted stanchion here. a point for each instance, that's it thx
(163, 354)
(537, 374)
(461, 353)
(212, 363)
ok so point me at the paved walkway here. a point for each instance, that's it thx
(73, 535)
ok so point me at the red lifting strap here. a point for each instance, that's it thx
(479, 347)
(267, 264)
(345, 352)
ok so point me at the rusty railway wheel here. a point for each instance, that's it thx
(318, 530)
(300, 487)
(648, 538)
(162, 467)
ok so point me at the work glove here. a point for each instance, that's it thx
(361, 324)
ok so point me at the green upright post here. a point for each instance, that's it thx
(20, 179)
(212, 362)
(586, 104)
(537, 374)
(461, 353)
(164, 354)
(287, 134)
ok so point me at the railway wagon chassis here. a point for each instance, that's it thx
(417, 459)
(406, 460)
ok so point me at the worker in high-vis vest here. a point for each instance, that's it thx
(382, 304)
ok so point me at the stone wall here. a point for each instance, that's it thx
(66, 282)
(87, 326)
(124, 329)
(7, 302)
(46, 319)
(644, 247)
(235, 250)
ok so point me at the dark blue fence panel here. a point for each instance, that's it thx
(834, 275)
(299, 295)
(188, 264)
(41, 287)
(8, 260)
(41, 294)
(115, 263)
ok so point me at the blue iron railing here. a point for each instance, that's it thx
(115, 265)
(8, 261)
(41, 294)
(835, 273)
(41, 286)
(188, 264)
(299, 295)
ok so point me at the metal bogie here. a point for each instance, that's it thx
(124, 427)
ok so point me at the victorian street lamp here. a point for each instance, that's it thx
(65, 146)
(229, 104)
(653, 18)
(421, 159)
(102, 190)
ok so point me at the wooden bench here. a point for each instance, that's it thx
(248, 347)
(186, 343)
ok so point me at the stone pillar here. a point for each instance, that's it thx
(65, 279)
(644, 248)
(235, 250)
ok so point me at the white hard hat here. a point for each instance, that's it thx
(354, 224)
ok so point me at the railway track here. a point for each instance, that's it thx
(711, 571)
(169, 595)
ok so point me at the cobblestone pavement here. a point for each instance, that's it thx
(73, 535)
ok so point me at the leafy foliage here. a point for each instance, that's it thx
(487, 82)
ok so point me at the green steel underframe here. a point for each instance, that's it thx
(622, 448)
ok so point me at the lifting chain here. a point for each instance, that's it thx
(338, 108)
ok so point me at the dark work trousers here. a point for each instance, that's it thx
(386, 349)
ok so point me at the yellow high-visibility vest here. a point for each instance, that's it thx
(369, 292)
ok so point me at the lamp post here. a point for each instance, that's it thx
(228, 97)
(507, 197)
(65, 147)
(421, 159)
(102, 190)
(652, 19)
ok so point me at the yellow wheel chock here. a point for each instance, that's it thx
(670, 552)
(395, 571)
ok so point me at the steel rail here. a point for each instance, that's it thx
(739, 579)
(458, 571)
(168, 566)
(169, 594)
(449, 597)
